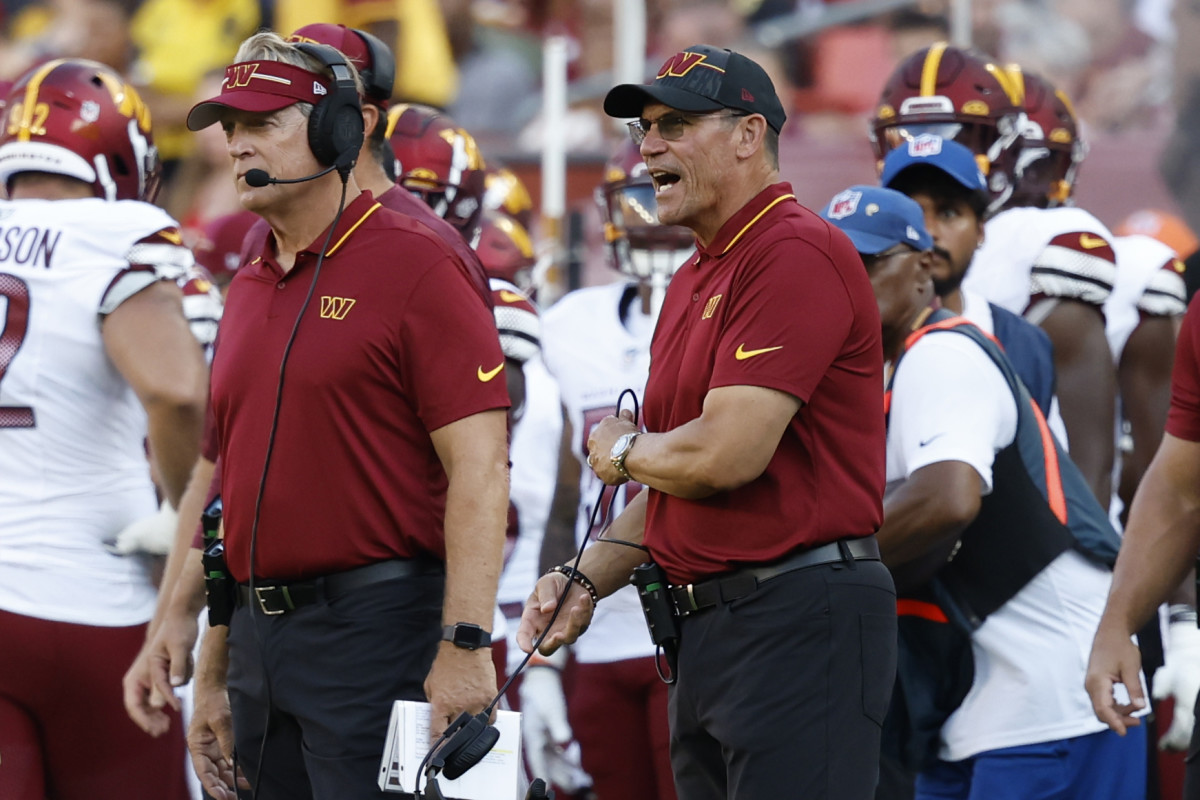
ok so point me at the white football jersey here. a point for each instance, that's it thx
(594, 357)
(1051, 252)
(1149, 281)
(73, 468)
(534, 457)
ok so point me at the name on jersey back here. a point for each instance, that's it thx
(32, 247)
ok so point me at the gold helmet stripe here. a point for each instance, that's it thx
(1015, 84)
(394, 114)
(929, 72)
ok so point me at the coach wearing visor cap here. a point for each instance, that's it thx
(362, 455)
(763, 454)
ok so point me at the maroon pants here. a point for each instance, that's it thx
(64, 734)
(618, 711)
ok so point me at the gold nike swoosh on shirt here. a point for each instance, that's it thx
(1092, 242)
(487, 376)
(742, 353)
(511, 297)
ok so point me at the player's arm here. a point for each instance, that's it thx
(1144, 378)
(727, 446)
(474, 454)
(147, 338)
(1070, 281)
(1087, 390)
(558, 543)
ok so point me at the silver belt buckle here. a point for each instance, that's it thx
(262, 601)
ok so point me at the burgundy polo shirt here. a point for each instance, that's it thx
(777, 300)
(401, 200)
(1183, 419)
(393, 344)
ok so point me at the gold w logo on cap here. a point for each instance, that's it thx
(239, 75)
(336, 307)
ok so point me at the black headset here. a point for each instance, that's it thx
(379, 79)
(335, 127)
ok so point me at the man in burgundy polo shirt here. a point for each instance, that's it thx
(165, 659)
(763, 456)
(362, 445)
(1160, 545)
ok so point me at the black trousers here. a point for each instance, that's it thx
(317, 686)
(782, 693)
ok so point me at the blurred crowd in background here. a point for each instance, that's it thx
(1133, 88)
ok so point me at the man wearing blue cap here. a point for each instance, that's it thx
(1001, 554)
(762, 461)
(945, 180)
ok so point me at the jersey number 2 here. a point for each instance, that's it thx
(16, 322)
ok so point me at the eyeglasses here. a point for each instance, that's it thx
(672, 126)
(871, 262)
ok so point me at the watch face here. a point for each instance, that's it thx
(620, 445)
(468, 636)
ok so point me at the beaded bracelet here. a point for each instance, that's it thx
(579, 578)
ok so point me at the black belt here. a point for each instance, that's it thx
(278, 598)
(706, 594)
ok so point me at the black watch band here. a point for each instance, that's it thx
(466, 635)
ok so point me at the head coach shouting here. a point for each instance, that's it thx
(362, 460)
(763, 454)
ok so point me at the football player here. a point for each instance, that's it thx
(1055, 266)
(439, 162)
(98, 357)
(597, 344)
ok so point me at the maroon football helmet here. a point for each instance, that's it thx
(504, 191)
(955, 94)
(505, 249)
(440, 163)
(1051, 150)
(630, 213)
(80, 118)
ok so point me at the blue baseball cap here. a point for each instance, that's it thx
(949, 156)
(876, 219)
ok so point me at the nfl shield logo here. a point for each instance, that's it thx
(844, 204)
(925, 145)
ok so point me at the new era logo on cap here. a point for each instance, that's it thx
(318, 88)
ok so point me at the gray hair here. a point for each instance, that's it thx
(270, 46)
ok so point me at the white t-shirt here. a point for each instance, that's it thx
(951, 403)
(594, 357)
(73, 471)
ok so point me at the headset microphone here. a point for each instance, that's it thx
(259, 177)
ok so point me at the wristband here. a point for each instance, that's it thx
(1180, 612)
(579, 578)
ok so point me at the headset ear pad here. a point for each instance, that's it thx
(468, 747)
(335, 131)
(335, 127)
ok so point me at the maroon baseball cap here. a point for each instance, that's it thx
(371, 57)
(262, 86)
(702, 78)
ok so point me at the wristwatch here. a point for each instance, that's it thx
(466, 635)
(620, 451)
